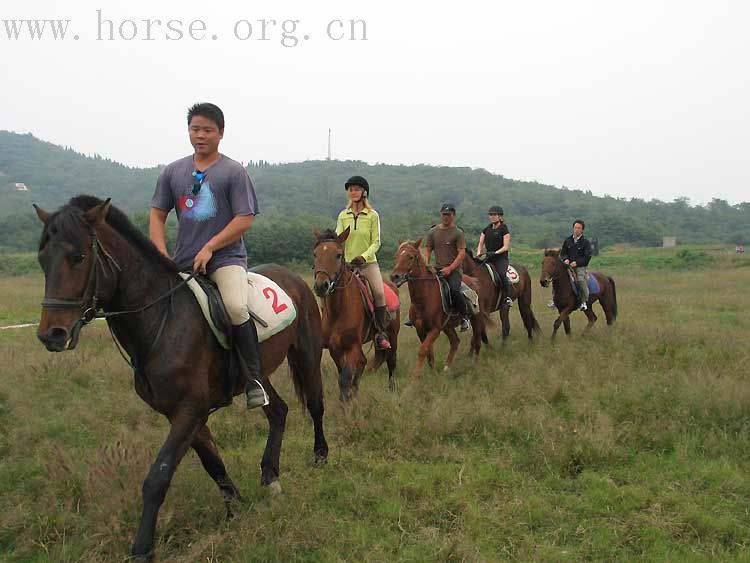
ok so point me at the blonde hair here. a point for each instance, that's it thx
(365, 201)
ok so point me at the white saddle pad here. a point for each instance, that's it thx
(265, 299)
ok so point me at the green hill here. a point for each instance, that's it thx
(296, 197)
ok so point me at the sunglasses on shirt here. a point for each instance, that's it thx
(199, 176)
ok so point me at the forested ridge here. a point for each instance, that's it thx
(297, 197)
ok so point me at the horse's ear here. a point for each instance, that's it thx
(41, 213)
(316, 233)
(402, 240)
(96, 215)
(343, 236)
(417, 243)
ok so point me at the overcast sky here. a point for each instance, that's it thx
(634, 99)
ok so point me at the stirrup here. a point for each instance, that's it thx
(255, 395)
(584, 307)
(464, 324)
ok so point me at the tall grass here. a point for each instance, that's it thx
(631, 442)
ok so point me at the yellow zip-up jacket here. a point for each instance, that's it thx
(364, 233)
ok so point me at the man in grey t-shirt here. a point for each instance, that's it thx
(215, 204)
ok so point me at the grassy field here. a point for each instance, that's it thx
(629, 443)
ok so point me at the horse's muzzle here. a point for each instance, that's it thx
(56, 339)
(321, 289)
(398, 279)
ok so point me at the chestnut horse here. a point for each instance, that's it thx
(489, 295)
(426, 310)
(94, 258)
(555, 271)
(346, 326)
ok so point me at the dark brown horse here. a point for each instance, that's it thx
(489, 295)
(426, 312)
(94, 258)
(555, 271)
(346, 326)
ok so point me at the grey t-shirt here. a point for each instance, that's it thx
(226, 191)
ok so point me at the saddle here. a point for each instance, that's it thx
(472, 299)
(270, 307)
(392, 301)
(512, 274)
(591, 281)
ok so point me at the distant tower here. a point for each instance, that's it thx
(329, 144)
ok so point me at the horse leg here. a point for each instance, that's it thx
(205, 447)
(524, 309)
(356, 358)
(608, 312)
(564, 320)
(275, 412)
(305, 368)
(591, 316)
(505, 322)
(431, 354)
(477, 328)
(345, 375)
(185, 424)
(390, 355)
(454, 342)
(425, 350)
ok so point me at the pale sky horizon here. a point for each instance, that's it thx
(644, 99)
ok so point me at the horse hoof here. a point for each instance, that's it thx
(320, 461)
(392, 386)
(274, 489)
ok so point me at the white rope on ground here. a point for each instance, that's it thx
(27, 325)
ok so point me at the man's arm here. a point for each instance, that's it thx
(456, 263)
(229, 234)
(157, 230)
(586, 254)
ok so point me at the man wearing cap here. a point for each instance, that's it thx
(449, 245)
(496, 239)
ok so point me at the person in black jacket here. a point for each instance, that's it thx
(576, 253)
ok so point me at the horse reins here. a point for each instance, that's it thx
(89, 313)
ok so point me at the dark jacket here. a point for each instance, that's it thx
(578, 252)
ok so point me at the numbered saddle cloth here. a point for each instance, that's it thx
(512, 274)
(270, 306)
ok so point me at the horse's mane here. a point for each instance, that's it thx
(66, 221)
(328, 235)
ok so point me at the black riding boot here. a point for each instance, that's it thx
(246, 341)
(381, 340)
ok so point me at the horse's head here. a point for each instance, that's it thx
(407, 257)
(550, 264)
(68, 253)
(329, 262)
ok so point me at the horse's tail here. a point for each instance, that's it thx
(614, 297)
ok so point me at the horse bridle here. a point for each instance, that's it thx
(408, 277)
(88, 314)
(332, 280)
(554, 276)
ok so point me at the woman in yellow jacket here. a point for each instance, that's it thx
(362, 244)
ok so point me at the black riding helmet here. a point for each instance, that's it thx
(358, 181)
(495, 209)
